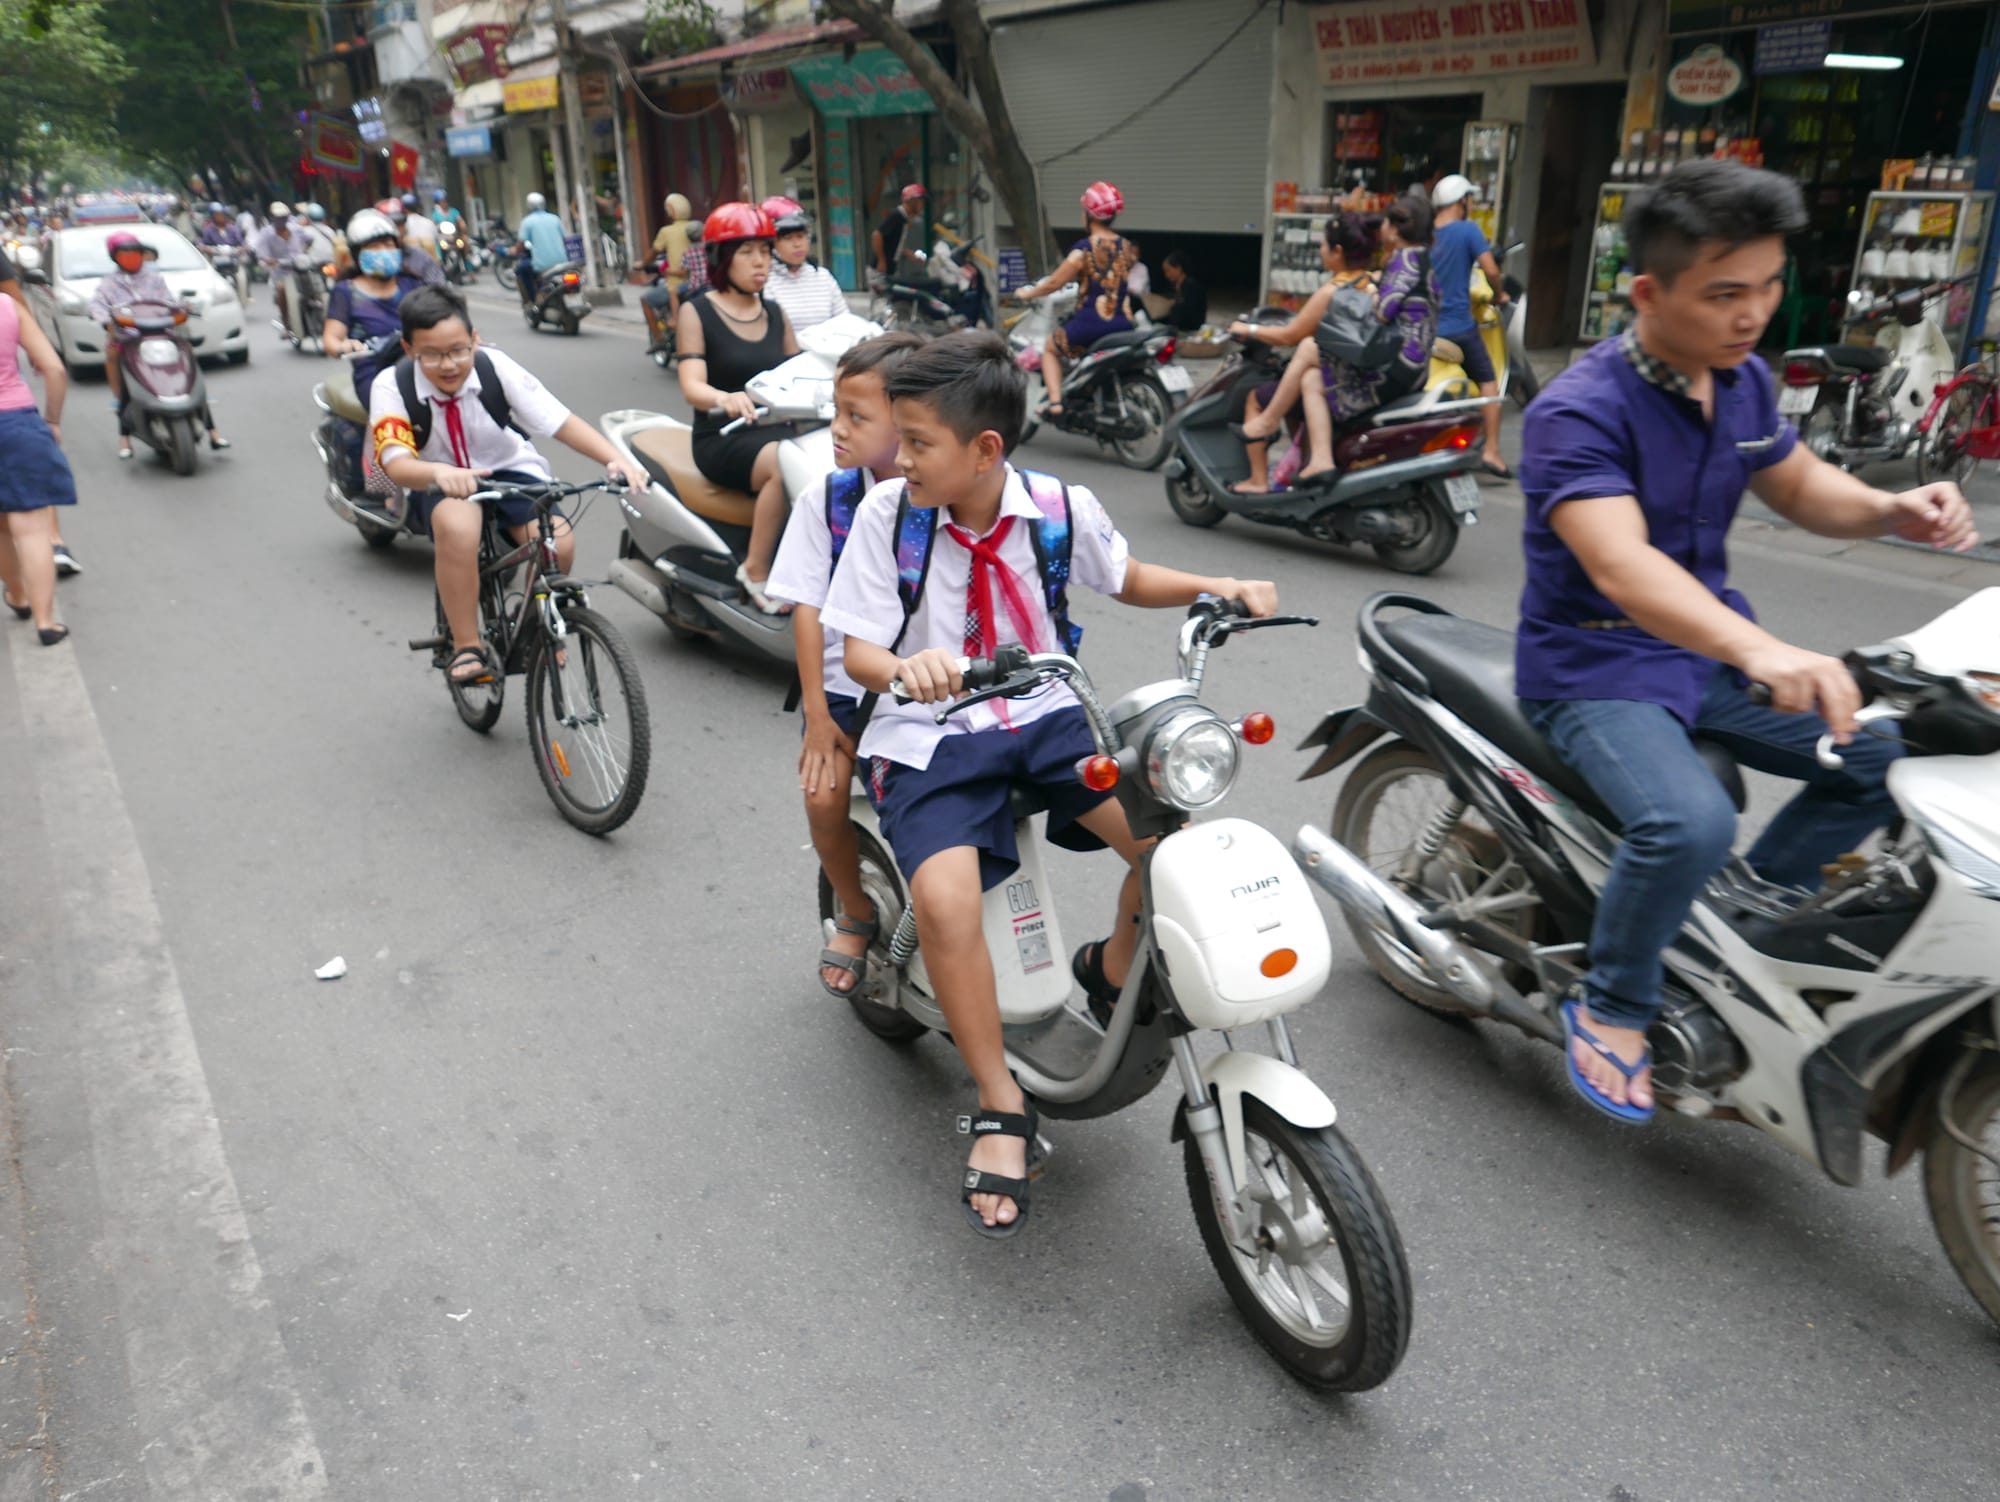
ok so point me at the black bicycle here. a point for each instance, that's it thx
(587, 721)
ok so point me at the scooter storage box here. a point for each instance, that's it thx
(1237, 924)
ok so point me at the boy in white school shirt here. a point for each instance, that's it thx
(864, 446)
(467, 448)
(943, 790)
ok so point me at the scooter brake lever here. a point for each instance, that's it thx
(1006, 688)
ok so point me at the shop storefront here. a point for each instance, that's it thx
(780, 140)
(1528, 100)
(1871, 106)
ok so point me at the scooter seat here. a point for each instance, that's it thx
(1120, 339)
(667, 451)
(340, 394)
(1470, 667)
(1856, 356)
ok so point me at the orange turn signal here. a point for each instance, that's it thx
(1450, 438)
(1279, 962)
(1100, 773)
(1258, 728)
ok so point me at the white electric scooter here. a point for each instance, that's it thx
(1231, 937)
(685, 535)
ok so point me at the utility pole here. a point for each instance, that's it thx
(579, 163)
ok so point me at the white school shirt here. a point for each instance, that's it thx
(486, 444)
(809, 295)
(803, 572)
(863, 602)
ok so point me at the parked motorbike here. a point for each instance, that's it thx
(166, 397)
(379, 518)
(932, 293)
(1468, 859)
(1402, 479)
(1121, 391)
(685, 535)
(557, 300)
(304, 309)
(1861, 403)
(1292, 1220)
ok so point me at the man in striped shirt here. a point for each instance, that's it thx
(808, 293)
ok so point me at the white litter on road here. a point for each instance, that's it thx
(333, 969)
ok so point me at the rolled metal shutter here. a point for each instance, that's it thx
(1195, 160)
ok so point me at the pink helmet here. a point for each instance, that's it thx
(787, 215)
(1102, 201)
(122, 239)
(913, 191)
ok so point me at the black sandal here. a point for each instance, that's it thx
(53, 634)
(978, 1181)
(21, 612)
(1087, 966)
(470, 680)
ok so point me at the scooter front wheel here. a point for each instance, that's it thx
(880, 881)
(1322, 1280)
(186, 443)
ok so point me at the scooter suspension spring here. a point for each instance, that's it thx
(903, 942)
(1439, 829)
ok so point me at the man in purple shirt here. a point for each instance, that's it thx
(1634, 461)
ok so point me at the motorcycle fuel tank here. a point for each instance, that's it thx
(1236, 922)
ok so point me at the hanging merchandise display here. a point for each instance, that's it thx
(1913, 239)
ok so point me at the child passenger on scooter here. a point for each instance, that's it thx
(864, 446)
(943, 790)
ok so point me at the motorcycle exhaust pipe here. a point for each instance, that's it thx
(640, 581)
(1343, 876)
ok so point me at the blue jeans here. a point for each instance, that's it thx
(1679, 825)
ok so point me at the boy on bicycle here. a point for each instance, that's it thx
(453, 418)
(864, 446)
(987, 580)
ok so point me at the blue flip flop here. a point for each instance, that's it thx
(1573, 1030)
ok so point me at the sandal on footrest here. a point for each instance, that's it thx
(978, 1181)
(1087, 966)
(855, 965)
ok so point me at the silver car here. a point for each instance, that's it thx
(60, 289)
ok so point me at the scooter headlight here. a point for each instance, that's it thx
(159, 352)
(1191, 759)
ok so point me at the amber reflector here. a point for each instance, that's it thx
(1259, 728)
(1279, 962)
(1100, 774)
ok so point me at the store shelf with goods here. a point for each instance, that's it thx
(1911, 239)
(1607, 304)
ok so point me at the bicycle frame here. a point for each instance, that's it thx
(1982, 440)
(544, 583)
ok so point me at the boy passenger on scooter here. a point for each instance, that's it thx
(943, 790)
(864, 446)
(1634, 461)
(481, 407)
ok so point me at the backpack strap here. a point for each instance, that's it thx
(1053, 537)
(492, 396)
(845, 489)
(418, 409)
(915, 527)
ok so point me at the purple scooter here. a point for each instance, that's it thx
(166, 400)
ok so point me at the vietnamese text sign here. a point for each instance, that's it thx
(477, 54)
(1706, 76)
(840, 234)
(1796, 47)
(874, 83)
(1384, 41)
(469, 140)
(520, 95)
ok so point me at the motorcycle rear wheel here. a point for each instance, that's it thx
(1963, 1189)
(1471, 853)
(1434, 535)
(879, 880)
(1317, 1202)
(1821, 430)
(1148, 400)
(505, 275)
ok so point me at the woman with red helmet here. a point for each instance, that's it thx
(808, 293)
(725, 337)
(1101, 261)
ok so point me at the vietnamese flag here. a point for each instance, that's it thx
(402, 165)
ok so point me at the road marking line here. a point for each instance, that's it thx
(218, 1406)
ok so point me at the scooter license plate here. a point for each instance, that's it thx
(1463, 493)
(1176, 379)
(1794, 401)
(577, 304)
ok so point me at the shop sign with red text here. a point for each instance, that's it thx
(1391, 41)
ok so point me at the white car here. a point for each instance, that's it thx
(60, 291)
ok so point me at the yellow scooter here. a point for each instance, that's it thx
(1500, 331)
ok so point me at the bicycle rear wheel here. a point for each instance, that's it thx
(587, 722)
(1941, 454)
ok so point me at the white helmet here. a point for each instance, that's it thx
(281, 210)
(368, 225)
(1451, 189)
(536, 203)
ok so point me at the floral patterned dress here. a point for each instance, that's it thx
(1101, 304)
(1407, 299)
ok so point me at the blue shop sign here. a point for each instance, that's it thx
(469, 140)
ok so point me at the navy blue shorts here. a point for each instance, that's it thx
(513, 510)
(964, 796)
(1478, 363)
(842, 709)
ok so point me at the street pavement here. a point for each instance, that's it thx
(577, 1186)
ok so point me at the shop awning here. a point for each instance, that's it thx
(779, 39)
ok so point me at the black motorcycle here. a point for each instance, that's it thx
(557, 298)
(1121, 391)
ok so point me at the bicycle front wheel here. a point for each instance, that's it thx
(587, 722)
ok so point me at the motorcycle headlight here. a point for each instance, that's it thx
(1191, 759)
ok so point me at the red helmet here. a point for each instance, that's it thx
(393, 207)
(1102, 201)
(122, 239)
(728, 225)
(914, 190)
(787, 215)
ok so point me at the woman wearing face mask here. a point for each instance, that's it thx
(364, 304)
(132, 280)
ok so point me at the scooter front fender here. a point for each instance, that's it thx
(1286, 1090)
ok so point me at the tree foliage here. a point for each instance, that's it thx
(58, 72)
(674, 28)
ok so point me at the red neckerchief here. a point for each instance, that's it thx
(454, 428)
(986, 565)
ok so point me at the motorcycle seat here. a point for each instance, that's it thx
(1856, 356)
(667, 451)
(340, 394)
(1470, 666)
(1120, 339)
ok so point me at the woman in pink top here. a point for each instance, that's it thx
(34, 475)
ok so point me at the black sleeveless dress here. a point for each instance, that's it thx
(732, 361)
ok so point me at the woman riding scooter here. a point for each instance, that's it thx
(131, 282)
(1345, 250)
(1102, 261)
(365, 307)
(725, 337)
